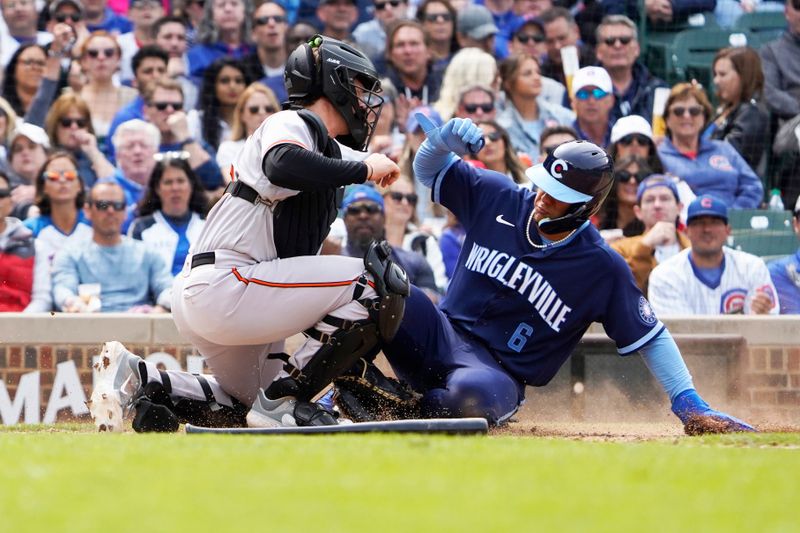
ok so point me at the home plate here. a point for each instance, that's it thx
(449, 426)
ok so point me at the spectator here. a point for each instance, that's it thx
(660, 12)
(476, 102)
(337, 18)
(633, 135)
(192, 13)
(100, 17)
(740, 119)
(131, 277)
(23, 76)
(164, 109)
(8, 121)
(143, 14)
(71, 13)
(410, 74)
(526, 114)
(438, 19)
(365, 222)
(708, 166)
(618, 52)
(657, 207)
(785, 273)
(255, 104)
(171, 213)
(593, 99)
(20, 19)
(475, 27)
(499, 155)
(60, 224)
(414, 138)
(531, 8)
(27, 148)
(136, 143)
(266, 63)
(170, 34)
(99, 57)
(781, 64)
(149, 63)
(527, 35)
(505, 19)
(16, 255)
(552, 137)
(469, 66)
(69, 127)
(224, 81)
(224, 31)
(300, 33)
(710, 278)
(53, 74)
(402, 231)
(370, 36)
(618, 217)
(560, 31)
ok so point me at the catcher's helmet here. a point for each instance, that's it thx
(333, 73)
(578, 173)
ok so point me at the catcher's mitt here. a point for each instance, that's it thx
(364, 394)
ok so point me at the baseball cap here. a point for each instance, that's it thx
(30, 131)
(362, 193)
(707, 205)
(476, 22)
(520, 22)
(588, 76)
(411, 122)
(58, 3)
(657, 180)
(631, 125)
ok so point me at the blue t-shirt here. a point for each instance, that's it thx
(785, 274)
(530, 307)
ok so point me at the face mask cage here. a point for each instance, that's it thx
(364, 104)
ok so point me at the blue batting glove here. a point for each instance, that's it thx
(689, 406)
(458, 135)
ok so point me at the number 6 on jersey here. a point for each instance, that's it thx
(520, 337)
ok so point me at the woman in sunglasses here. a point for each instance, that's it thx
(99, 60)
(172, 211)
(469, 67)
(224, 81)
(69, 127)
(616, 219)
(499, 155)
(709, 166)
(740, 119)
(23, 77)
(438, 18)
(61, 222)
(633, 136)
(255, 104)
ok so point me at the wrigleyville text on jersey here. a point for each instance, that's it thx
(522, 278)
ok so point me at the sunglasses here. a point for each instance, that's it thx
(5, 193)
(472, 108)
(67, 122)
(679, 111)
(94, 53)
(266, 19)
(595, 93)
(411, 197)
(611, 41)
(225, 80)
(637, 138)
(380, 6)
(439, 17)
(62, 17)
(54, 175)
(494, 136)
(254, 109)
(624, 175)
(525, 37)
(356, 210)
(162, 106)
(103, 205)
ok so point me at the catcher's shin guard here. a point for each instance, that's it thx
(392, 286)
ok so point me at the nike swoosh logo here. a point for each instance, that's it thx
(503, 221)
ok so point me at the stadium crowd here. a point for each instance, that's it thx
(120, 121)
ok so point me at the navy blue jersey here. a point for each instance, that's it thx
(532, 306)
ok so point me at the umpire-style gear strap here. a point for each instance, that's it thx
(392, 286)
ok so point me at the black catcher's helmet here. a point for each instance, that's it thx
(333, 75)
(578, 173)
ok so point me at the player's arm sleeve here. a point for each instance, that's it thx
(664, 360)
(293, 167)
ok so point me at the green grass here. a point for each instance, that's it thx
(53, 480)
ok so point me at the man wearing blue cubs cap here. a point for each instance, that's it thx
(709, 278)
(657, 206)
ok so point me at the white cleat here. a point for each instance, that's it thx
(267, 413)
(116, 379)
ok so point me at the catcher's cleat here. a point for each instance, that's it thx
(364, 394)
(116, 381)
(287, 412)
